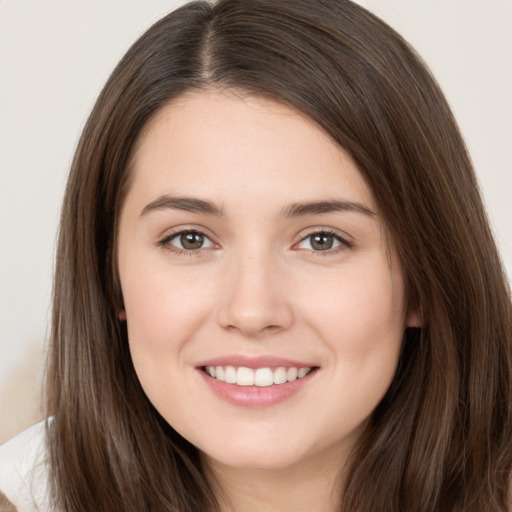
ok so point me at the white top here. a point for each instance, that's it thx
(24, 470)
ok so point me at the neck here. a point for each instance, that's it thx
(311, 485)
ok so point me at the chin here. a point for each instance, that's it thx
(255, 460)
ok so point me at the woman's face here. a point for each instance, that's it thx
(265, 306)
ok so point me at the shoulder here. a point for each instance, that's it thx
(24, 470)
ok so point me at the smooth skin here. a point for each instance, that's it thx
(250, 271)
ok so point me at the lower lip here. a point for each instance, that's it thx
(255, 396)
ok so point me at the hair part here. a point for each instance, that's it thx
(440, 440)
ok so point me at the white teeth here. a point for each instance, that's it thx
(230, 375)
(302, 372)
(262, 377)
(280, 376)
(245, 376)
(291, 374)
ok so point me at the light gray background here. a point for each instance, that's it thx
(55, 55)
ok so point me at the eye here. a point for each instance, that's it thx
(187, 241)
(323, 241)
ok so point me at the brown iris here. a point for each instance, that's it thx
(191, 240)
(322, 241)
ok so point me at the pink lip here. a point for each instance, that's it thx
(255, 396)
(253, 362)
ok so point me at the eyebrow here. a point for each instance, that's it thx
(301, 209)
(188, 204)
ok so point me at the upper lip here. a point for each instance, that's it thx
(264, 361)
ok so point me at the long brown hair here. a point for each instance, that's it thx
(440, 441)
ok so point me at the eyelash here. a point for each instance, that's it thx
(165, 242)
(344, 244)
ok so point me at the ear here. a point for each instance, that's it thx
(122, 315)
(413, 318)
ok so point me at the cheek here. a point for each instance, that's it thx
(160, 318)
(148, 307)
(361, 321)
(160, 304)
(164, 310)
(360, 308)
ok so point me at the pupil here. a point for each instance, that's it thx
(192, 240)
(322, 242)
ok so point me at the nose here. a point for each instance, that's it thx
(254, 300)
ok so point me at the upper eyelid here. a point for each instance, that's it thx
(342, 235)
(169, 235)
(345, 242)
(172, 236)
(165, 242)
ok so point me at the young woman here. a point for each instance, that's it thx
(276, 288)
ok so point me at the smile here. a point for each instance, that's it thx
(260, 377)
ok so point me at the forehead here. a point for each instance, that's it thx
(215, 142)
